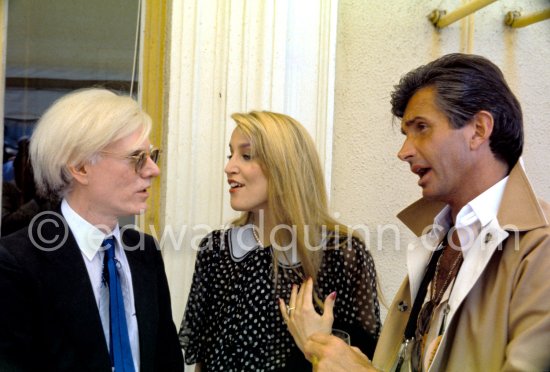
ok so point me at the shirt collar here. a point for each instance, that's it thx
(479, 212)
(485, 206)
(87, 236)
(443, 219)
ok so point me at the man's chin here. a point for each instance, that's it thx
(141, 211)
(138, 211)
(428, 195)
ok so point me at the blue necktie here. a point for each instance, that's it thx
(121, 353)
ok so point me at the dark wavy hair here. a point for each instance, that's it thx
(466, 84)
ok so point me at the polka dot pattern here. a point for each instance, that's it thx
(232, 320)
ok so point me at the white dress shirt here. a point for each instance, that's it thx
(89, 239)
(470, 221)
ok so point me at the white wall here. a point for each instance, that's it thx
(226, 57)
(378, 41)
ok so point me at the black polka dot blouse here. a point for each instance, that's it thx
(232, 320)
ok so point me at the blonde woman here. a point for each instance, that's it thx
(284, 235)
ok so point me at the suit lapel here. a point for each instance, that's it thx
(144, 283)
(70, 286)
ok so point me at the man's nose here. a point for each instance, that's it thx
(407, 150)
(151, 168)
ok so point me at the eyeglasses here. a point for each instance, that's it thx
(139, 158)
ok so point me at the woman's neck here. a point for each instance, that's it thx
(264, 227)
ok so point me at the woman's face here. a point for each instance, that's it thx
(247, 181)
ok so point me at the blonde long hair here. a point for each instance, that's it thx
(297, 194)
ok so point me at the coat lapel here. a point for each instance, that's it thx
(489, 240)
(391, 338)
(519, 211)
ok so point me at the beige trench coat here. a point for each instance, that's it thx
(500, 317)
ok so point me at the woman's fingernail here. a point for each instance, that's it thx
(332, 295)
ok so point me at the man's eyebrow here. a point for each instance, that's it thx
(406, 124)
(137, 152)
(410, 122)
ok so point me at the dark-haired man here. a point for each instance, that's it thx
(476, 296)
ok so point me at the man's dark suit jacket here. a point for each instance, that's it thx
(49, 320)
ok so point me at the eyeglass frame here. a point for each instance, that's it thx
(140, 158)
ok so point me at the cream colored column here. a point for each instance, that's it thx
(230, 56)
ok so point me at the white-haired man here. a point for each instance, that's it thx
(78, 292)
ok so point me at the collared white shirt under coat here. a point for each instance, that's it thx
(89, 239)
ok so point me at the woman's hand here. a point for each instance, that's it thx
(300, 315)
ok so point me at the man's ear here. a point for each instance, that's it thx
(483, 124)
(79, 173)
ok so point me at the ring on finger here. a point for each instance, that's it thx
(289, 309)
